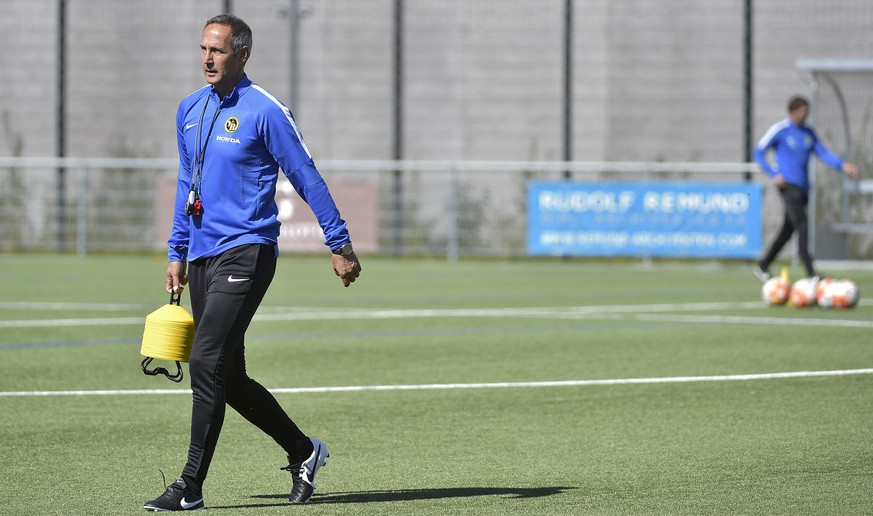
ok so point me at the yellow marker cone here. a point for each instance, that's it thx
(784, 275)
(168, 335)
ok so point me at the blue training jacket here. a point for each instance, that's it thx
(239, 144)
(792, 145)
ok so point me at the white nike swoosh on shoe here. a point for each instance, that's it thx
(188, 505)
(311, 466)
(231, 279)
(189, 126)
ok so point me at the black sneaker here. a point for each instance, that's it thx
(761, 274)
(303, 473)
(175, 498)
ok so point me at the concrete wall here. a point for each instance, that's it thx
(482, 80)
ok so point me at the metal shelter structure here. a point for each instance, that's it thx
(830, 239)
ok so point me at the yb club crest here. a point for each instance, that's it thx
(231, 124)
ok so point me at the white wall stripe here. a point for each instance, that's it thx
(452, 386)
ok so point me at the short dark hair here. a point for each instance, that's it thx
(240, 33)
(796, 102)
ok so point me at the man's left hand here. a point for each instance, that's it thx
(348, 268)
(851, 169)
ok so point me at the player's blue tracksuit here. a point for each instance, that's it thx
(238, 144)
(230, 152)
(792, 145)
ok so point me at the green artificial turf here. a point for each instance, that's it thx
(798, 445)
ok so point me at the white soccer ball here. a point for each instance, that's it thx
(824, 293)
(844, 294)
(775, 291)
(803, 293)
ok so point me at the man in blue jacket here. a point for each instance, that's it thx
(792, 142)
(233, 137)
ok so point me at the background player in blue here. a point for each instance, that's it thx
(233, 138)
(792, 142)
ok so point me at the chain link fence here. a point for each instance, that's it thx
(522, 81)
(451, 209)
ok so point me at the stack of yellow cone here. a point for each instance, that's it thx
(168, 335)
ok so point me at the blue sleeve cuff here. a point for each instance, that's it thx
(178, 254)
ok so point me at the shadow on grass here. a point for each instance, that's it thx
(402, 495)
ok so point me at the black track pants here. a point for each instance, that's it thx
(795, 201)
(226, 290)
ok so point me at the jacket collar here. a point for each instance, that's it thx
(238, 90)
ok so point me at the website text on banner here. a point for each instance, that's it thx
(717, 220)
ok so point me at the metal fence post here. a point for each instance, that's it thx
(397, 78)
(60, 120)
(812, 207)
(82, 211)
(452, 242)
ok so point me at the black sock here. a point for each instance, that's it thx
(302, 452)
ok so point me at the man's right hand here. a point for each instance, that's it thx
(779, 181)
(176, 277)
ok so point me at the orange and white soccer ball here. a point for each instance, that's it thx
(823, 293)
(803, 293)
(775, 291)
(844, 294)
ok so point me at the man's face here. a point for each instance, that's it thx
(798, 116)
(222, 67)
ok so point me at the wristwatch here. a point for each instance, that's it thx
(345, 249)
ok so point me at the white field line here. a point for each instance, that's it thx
(284, 315)
(69, 306)
(452, 386)
(297, 314)
(732, 319)
(46, 323)
(726, 319)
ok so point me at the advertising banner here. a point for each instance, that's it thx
(717, 220)
(358, 203)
